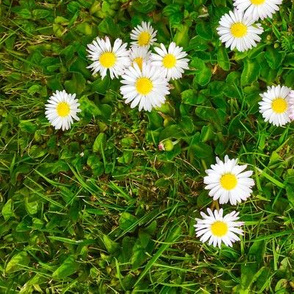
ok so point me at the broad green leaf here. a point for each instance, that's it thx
(248, 270)
(85, 28)
(101, 86)
(198, 44)
(41, 13)
(110, 245)
(202, 72)
(181, 37)
(127, 222)
(273, 57)
(99, 143)
(201, 150)
(89, 106)
(268, 74)
(254, 52)
(289, 59)
(189, 97)
(18, 262)
(31, 206)
(223, 58)
(107, 26)
(204, 30)
(7, 210)
(250, 72)
(67, 268)
(76, 85)
(173, 13)
(28, 126)
(290, 194)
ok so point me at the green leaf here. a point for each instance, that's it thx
(24, 13)
(76, 85)
(289, 59)
(110, 245)
(202, 150)
(256, 51)
(28, 126)
(189, 97)
(101, 86)
(85, 28)
(18, 262)
(41, 13)
(250, 72)
(127, 222)
(99, 143)
(223, 58)
(273, 57)
(198, 44)
(204, 30)
(181, 37)
(89, 106)
(7, 210)
(31, 206)
(172, 131)
(290, 194)
(107, 26)
(67, 268)
(202, 72)
(139, 256)
(173, 13)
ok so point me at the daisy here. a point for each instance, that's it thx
(237, 31)
(171, 60)
(291, 105)
(258, 8)
(138, 55)
(143, 35)
(146, 88)
(218, 228)
(227, 181)
(61, 109)
(105, 57)
(274, 106)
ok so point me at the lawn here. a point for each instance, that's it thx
(109, 205)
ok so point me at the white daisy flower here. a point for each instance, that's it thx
(146, 88)
(217, 228)
(274, 106)
(105, 57)
(258, 8)
(143, 35)
(172, 60)
(139, 55)
(237, 31)
(291, 105)
(61, 109)
(227, 181)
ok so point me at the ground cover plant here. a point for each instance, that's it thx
(119, 197)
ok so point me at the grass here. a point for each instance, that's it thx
(98, 208)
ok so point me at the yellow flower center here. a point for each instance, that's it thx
(219, 228)
(238, 30)
(63, 109)
(228, 181)
(144, 86)
(279, 105)
(169, 61)
(139, 61)
(144, 39)
(107, 59)
(257, 2)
